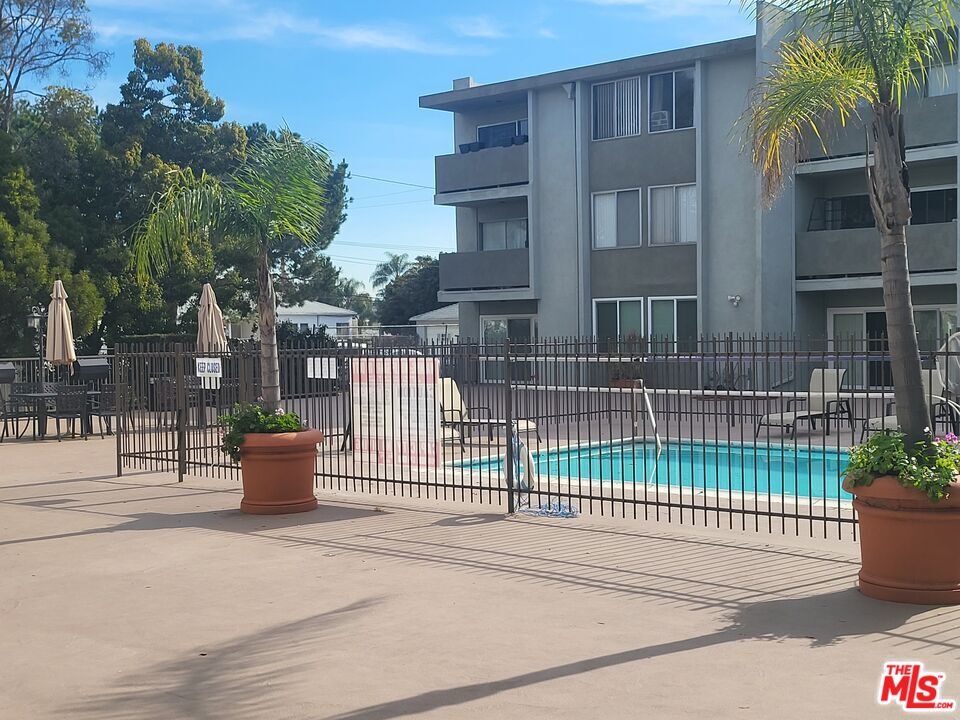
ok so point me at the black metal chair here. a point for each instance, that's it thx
(13, 410)
(70, 404)
(104, 407)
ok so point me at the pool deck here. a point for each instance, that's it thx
(139, 597)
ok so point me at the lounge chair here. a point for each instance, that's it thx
(456, 418)
(823, 398)
(940, 407)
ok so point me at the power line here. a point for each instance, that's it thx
(380, 205)
(389, 194)
(394, 182)
(390, 246)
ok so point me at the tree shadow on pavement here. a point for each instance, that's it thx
(246, 677)
(822, 620)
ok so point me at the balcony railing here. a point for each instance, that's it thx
(487, 270)
(487, 168)
(835, 253)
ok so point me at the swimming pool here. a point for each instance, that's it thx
(807, 473)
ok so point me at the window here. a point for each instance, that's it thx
(941, 81)
(616, 219)
(933, 206)
(841, 213)
(616, 109)
(673, 323)
(501, 134)
(673, 215)
(304, 326)
(671, 100)
(503, 234)
(620, 318)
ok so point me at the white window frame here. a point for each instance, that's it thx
(673, 111)
(618, 300)
(650, 190)
(639, 109)
(674, 298)
(593, 219)
(863, 310)
(516, 126)
(480, 224)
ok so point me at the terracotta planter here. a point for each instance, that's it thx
(909, 545)
(278, 472)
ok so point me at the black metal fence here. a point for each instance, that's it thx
(739, 432)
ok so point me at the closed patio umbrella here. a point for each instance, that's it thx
(60, 350)
(210, 335)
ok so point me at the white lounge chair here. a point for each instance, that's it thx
(823, 398)
(940, 407)
(456, 417)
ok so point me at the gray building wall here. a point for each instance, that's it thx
(728, 200)
(554, 239)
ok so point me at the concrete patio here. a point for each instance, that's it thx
(139, 597)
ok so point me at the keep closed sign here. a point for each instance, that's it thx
(209, 368)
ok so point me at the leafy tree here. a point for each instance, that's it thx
(412, 293)
(841, 54)
(276, 194)
(390, 269)
(39, 37)
(166, 111)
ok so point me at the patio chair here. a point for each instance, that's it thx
(70, 404)
(940, 407)
(104, 406)
(823, 398)
(12, 411)
(455, 417)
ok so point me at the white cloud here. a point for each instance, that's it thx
(476, 26)
(239, 20)
(667, 8)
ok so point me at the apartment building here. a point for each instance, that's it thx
(615, 199)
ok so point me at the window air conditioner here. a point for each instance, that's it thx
(660, 120)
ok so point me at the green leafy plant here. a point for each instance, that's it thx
(930, 468)
(254, 418)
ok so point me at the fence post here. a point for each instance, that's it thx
(119, 404)
(181, 410)
(508, 387)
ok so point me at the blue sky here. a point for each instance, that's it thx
(348, 75)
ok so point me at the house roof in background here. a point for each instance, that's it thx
(315, 308)
(447, 313)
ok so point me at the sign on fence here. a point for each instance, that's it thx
(396, 409)
(322, 368)
(209, 370)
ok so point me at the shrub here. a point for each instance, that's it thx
(930, 467)
(253, 418)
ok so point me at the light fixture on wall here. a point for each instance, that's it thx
(735, 300)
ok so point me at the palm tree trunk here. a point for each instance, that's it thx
(267, 306)
(890, 200)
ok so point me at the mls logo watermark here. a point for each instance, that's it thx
(907, 685)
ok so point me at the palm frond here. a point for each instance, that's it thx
(191, 204)
(280, 188)
(810, 86)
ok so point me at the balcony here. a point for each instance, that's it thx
(836, 253)
(491, 270)
(485, 169)
(930, 121)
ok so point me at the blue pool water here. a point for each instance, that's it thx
(718, 467)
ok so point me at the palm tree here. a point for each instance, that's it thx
(277, 193)
(390, 269)
(840, 56)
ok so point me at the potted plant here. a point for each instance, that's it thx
(277, 456)
(276, 196)
(908, 505)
